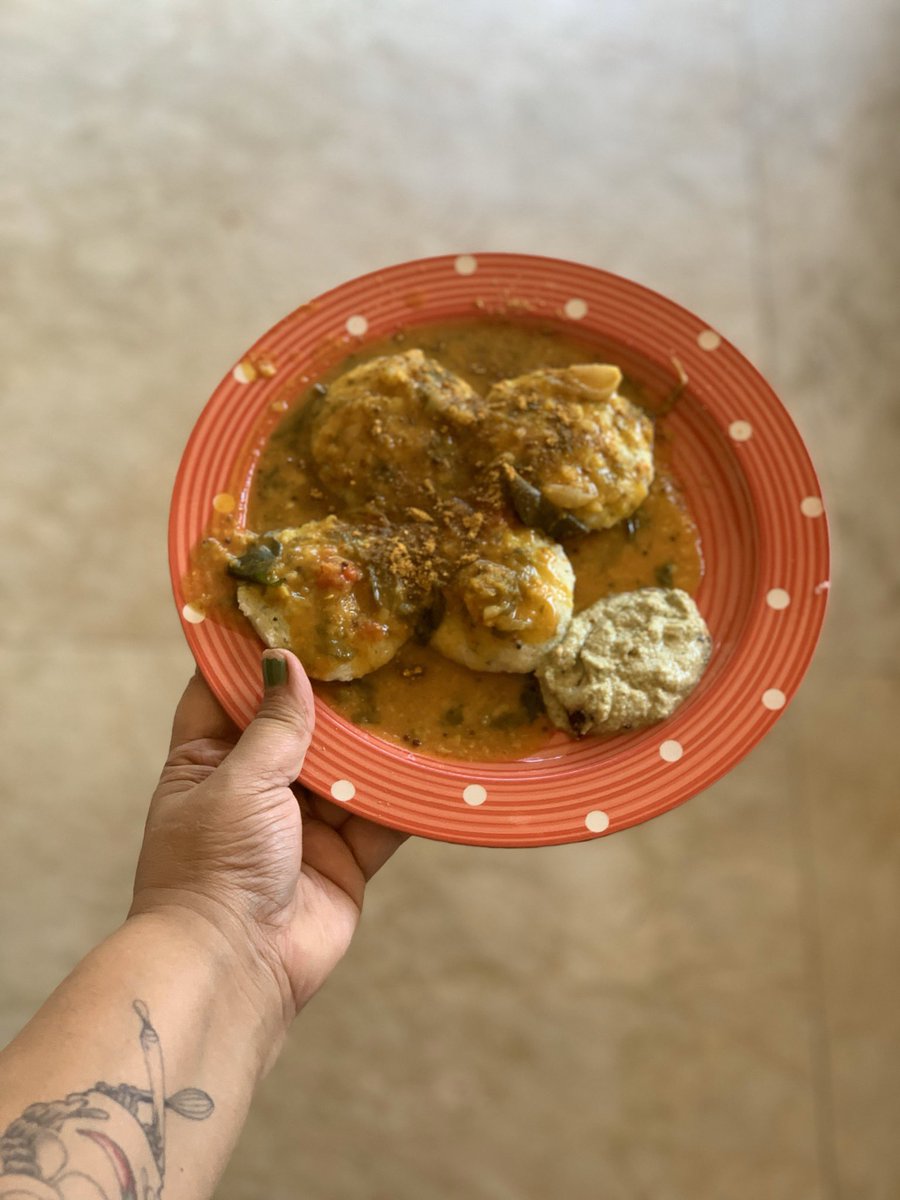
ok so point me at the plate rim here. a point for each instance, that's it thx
(812, 630)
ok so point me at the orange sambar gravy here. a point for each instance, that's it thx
(420, 699)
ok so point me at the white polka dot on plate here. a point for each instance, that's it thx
(466, 264)
(708, 339)
(474, 794)
(575, 309)
(357, 325)
(671, 751)
(773, 698)
(596, 821)
(343, 790)
(777, 598)
(812, 506)
(193, 615)
(740, 431)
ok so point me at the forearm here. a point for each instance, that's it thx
(207, 1030)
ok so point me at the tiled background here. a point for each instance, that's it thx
(704, 1008)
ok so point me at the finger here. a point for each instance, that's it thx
(335, 815)
(375, 843)
(371, 845)
(309, 804)
(200, 715)
(273, 746)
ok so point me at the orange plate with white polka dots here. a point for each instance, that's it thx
(748, 482)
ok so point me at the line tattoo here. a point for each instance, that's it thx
(108, 1142)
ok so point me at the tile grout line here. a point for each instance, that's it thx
(755, 170)
(820, 1045)
(809, 909)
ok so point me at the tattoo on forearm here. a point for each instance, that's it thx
(108, 1143)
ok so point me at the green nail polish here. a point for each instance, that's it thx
(274, 672)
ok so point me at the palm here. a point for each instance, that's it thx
(301, 861)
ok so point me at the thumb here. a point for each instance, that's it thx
(273, 746)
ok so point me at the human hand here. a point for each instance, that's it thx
(232, 838)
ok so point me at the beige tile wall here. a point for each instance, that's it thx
(704, 1008)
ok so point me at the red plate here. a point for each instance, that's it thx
(749, 484)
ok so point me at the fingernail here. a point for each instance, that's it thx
(274, 671)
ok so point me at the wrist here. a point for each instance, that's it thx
(243, 975)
